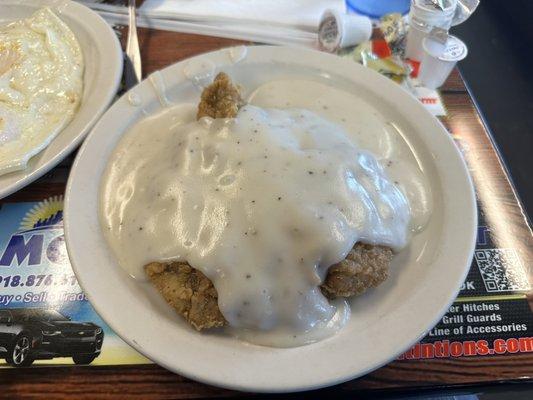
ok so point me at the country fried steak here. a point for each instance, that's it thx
(364, 267)
(188, 291)
(221, 99)
(193, 295)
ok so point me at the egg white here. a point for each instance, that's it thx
(41, 84)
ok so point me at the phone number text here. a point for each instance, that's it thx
(37, 280)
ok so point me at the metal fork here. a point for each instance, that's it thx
(133, 67)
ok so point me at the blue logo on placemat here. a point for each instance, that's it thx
(40, 232)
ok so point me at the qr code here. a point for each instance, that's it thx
(501, 270)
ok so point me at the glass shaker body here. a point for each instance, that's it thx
(423, 17)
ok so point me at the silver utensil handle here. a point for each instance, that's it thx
(133, 59)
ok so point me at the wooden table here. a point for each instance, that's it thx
(160, 49)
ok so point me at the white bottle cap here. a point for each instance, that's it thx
(338, 30)
(455, 50)
(439, 60)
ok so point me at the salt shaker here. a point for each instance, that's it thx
(423, 17)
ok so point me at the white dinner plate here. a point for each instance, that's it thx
(425, 277)
(103, 69)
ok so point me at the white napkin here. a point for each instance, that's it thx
(299, 14)
(284, 22)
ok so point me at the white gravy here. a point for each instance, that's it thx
(262, 204)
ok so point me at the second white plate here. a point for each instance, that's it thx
(103, 69)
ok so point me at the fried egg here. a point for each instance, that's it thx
(41, 84)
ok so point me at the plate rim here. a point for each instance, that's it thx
(76, 11)
(266, 387)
